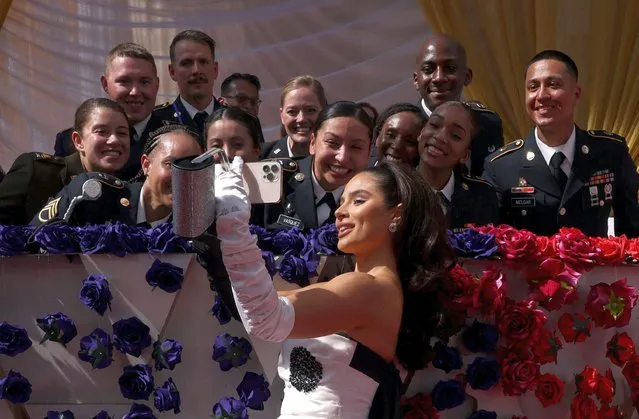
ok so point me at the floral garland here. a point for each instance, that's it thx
(513, 333)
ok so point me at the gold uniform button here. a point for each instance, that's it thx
(562, 211)
(125, 202)
(299, 177)
(524, 212)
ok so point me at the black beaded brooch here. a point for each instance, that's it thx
(306, 371)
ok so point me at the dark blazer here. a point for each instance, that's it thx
(274, 149)
(176, 113)
(474, 201)
(118, 202)
(31, 181)
(603, 177)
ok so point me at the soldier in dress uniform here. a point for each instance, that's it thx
(149, 202)
(194, 69)
(101, 136)
(396, 133)
(444, 145)
(340, 148)
(561, 175)
(440, 77)
(130, 79)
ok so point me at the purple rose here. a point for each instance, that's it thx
(483, 414)
(13, 239)
(93, 239)
(447, 394)
(289, 240)
(130, 336)
(140, 411)
(102, 414)
(230, 408)
(221, 311)
(124, 238)
(483, 373)
(324, 239)
(57, 239)
(57, 327)
(96, 349)
(298, 269)
(269, 261)
(264, 237)
(15, 388)
(136, 382)
(165, 276)
(54, 414)
(253, 391)
(13, 339)
(95, 293)
(480, 337)
(472, 243)
(167, 354)
(231, 351)
(446, 358)
(162, 239)
(167, 397)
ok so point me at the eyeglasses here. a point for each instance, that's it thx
(243, 99)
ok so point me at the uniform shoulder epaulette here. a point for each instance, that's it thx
(46, 157)
(475, 179)
(106, 179)
(477, 106)
(162, 106)
(602, 133)
(288, 164)
(507, 149)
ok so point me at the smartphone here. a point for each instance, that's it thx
(263, 181)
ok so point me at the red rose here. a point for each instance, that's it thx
(518, 245)
(620, 349)
(606, 387)
(419, 406)
(611, 305)
(552, 283)
(459, 287)
(587, 380)
(632, 248)
(575, 327)
(612, 250)
(550, 389)
(575, 247)
(610, 412)
(520, 322)
(518, 376)
(583, 407)
(489, 295)
(545, 246)
(546, 347)
(631, 372)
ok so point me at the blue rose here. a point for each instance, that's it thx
(95, 293)
(162, 239)
(54, 414)
(483, 414)
(167, 397)
(130, 336)
(447, 394)
(165, 276)
(57, 327)
(140, 411)
(57, 239)
(483, 373)
(221, 311)
(446, 358)
(480, 337)
(296, 270)
(254, 391)
(167, 354)
(230, 408)
(13, 340)
(230, 351)
(15, 388)
(264, 237)
(136, 382)
(324, 239)
(93, 239)
(471, 243)
(269, 261)
(289, 240)
(96, 349)
(13, 239)
(102, 414)
(124, 238)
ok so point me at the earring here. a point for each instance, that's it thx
(392, 227)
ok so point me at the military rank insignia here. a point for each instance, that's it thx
(49, 211)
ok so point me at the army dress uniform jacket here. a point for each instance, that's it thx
(603, 177)
(474, 201)
(31, 181)
(176, 113)
(275, 149)
(117, 203)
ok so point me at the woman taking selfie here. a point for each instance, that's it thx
(338, 347)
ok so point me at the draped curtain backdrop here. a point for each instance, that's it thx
(500, 37)
(52, 53)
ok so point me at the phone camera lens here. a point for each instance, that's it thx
(270, 177)
(266, 168)
(275, 168)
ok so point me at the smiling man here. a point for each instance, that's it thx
(561, 175)
(441, 75)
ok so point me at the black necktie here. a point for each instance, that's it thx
(133, 134)
(199, 119)
(443, 200)
(555, 169)
(329, 200)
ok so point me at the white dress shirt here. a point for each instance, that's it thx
(447, 190)
(323, 211)
(568, 148)
(192, 111)
(140, 127)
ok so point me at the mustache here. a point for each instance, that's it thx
(198, 79)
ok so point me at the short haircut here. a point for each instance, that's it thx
(226, 84)
(84, 111)
(194, 36)
(130, 50)
(552, 54)
(156, 136)
(239, 115)
(394, 110)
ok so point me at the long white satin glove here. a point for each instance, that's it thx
(263, 313)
